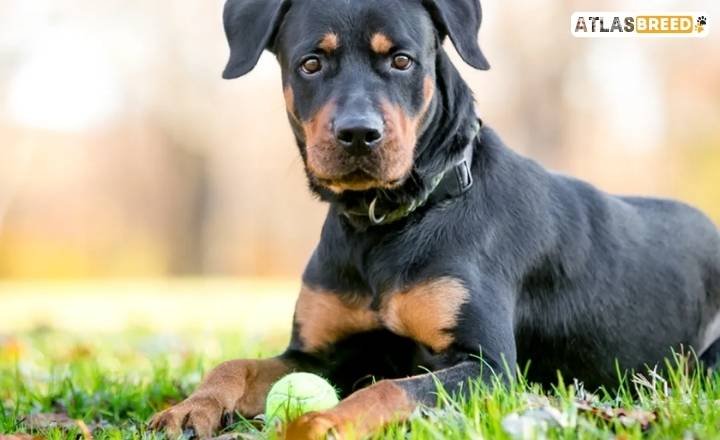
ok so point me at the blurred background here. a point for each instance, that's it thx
(138, 188)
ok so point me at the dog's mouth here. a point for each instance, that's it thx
(330, 166)
(356, 180)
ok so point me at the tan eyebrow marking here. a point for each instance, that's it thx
(329, 42)
(381, 44)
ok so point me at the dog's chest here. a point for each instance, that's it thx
(426, 312)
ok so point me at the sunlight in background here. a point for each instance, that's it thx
(628, 91)
(123, 153)
(65, 83)
(19, 157)
(249, 305)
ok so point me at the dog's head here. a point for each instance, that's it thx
(359, 77)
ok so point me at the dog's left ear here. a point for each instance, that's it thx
(250, 26)
(460, 20)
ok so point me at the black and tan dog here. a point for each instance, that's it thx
(441, 244)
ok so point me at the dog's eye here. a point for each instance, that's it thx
(402, 62)
(311, 65)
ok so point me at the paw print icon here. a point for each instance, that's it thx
(700, 24)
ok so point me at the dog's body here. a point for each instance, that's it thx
(560, 274)
(442, 245)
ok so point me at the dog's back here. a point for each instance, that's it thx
(604, 279)
(680, 233)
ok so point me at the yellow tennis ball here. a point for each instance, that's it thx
(297, 394)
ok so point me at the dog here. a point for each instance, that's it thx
(443, 250)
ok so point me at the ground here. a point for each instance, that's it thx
(93, 384)
(113, 383)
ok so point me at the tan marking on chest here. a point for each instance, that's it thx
(325, 318)
(426, 312)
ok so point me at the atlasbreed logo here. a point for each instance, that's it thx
(633, 24)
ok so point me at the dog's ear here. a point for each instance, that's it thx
(460, 20)
(250, 26)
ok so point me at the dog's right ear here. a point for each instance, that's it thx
(250, 26)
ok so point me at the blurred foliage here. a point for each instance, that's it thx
(25, 256)
(699, 178)
(133, 158)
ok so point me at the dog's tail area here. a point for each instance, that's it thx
(711, 356)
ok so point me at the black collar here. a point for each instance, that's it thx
(450, 183)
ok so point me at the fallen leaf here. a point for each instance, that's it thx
(49, 420)
(534, 401)
(20, 437)
(44, 421)
(86, 432)
(627, 417)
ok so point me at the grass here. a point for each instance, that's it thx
(115, 382)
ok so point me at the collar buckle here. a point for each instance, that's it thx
(464, 176)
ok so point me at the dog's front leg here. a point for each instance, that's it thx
(242, 385)
(239, 385)
(387, 401)
(477, 343)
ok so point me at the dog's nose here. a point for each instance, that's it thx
(359, 135)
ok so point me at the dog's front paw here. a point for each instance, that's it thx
(316, 426)
(202, 414)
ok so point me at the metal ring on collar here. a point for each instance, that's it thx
(371, 213)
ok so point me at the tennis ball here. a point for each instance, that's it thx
(297, 394)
